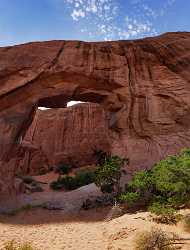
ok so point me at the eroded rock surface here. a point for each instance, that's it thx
(31, 159)
(67, 135)
(145, 85)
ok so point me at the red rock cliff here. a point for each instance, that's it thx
(68, 135)
(145, 85)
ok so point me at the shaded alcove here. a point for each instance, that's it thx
(48, 74)
(24, 113)
(69, 104)
(71, 135)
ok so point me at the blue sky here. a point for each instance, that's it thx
(90, 20)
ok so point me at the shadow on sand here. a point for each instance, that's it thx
(37, 216)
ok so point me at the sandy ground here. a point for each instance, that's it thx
(72, 228)
(88, 230)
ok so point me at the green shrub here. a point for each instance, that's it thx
(81, 179)
(164, 214)
(69, 183)
(107, 188)
(73, 182)
(130, 198)
(63, 169)
(167, 183)
(158, 208)
(106, 176)
(141, 181)
(101, 156)
(66, 182)
(56, 185)
(171, 178)
(84, 178)
(28, 179)
(109, 173)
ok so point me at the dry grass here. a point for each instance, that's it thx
(115, 212)
(186, 223)
(12, 245)
(167, 218)
(156, 239)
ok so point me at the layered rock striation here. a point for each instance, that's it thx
(70, 135)
(144, 84)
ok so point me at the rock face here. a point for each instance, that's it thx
(145, 85)
(67, 135)
(31, 160)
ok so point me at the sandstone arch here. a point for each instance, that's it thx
(145, 84)
(69, 135)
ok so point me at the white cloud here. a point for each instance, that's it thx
(76, 14)
(147, 11)
(102, 16)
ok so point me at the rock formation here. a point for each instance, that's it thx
(31, 160)
(145, 85)
(67, 135)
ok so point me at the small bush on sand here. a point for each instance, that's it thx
(69, 182)
(73, 182)
(28, 179)
(115, 212)
(156, 239)
(101, 156)
(56, 185)
(66, 182)
(186, 223)
(85, 177)
(164, 214)
(107, 188)
(109, 173)
(130, 197)
(63, 169)
(12, 245)
(167, 183)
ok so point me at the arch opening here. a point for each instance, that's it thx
(63, 135)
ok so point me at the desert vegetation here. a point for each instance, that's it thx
(108, 174)
(68, 182)
(63, 169)
(157, 239)
(164, 189)
(13, 245)
(161, 190)
(186, 223)
(30, 184)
